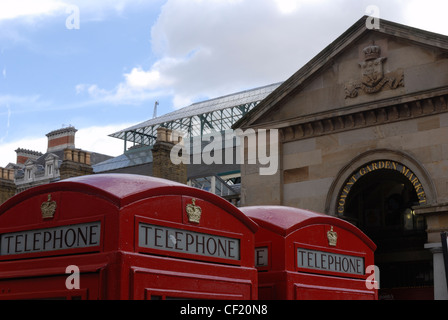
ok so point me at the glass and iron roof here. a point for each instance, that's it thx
(198, 119)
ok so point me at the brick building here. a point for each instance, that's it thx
(62, 160)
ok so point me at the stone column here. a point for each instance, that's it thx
(437, 222)
(440, 288)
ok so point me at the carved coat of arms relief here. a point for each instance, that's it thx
(373, 79)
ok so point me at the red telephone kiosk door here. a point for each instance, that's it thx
(119, 236)
(302, 255)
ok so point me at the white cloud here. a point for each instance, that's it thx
(121, 95)
(138, 86)
(219, 47)
(142, 79)
(21, 104)
(90, 10)
(225, 46)
(7, 150)
(216, 47)
(96, 139)
(291, 6)
(6, 125)
(26, 8)
(429, 15)
(287, 6)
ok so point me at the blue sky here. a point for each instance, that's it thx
(107, 74)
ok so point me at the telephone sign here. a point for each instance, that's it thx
(129, 237)
(302, 255)
(83, 235)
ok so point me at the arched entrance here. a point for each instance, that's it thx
(378, 197)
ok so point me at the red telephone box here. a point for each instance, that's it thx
(130, 237)
(301, 255)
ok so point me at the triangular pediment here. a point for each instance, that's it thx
(29, 162)
(51, 156)
(361, 68)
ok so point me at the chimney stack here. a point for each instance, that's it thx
(23, 155)
(162, 165)
(61, 139)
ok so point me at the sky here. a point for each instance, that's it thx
(100, 65)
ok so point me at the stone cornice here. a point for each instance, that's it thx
(364, 117)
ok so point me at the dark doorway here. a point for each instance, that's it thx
(380, 204)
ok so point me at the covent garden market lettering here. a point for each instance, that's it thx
(380, 165)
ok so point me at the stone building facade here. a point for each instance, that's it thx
(364, 136)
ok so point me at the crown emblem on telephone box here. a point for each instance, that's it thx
(48, 208)
(332, 238)
(194, 212)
